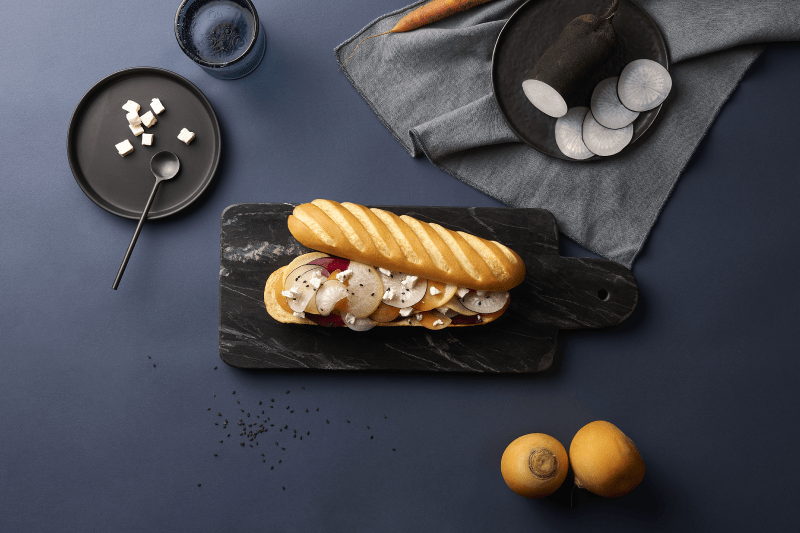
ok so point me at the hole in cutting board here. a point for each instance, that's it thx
(603, 294)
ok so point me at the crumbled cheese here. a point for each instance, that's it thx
(133, 119)
(462, 291)
(480, 294)
(300, 314)
(437, 322)
(479, 318)
(350, 319)
(186, 136)
(137, 130)
(124, 148)
(389, 294)
(409, 282)
(147, 139)
(149, 119)
(156, 106)
(385, 272)
(316, 279)
(406, 311)
(419, 317)
(131, 107)
(342, 276)
(288, 294)
(443, 309)
(435, 291)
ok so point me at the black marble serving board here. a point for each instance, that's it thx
(557, 293)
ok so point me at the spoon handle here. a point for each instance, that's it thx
(136, 235)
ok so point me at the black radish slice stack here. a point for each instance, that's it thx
(606, 107)
(582, 48)
(643, 85)
(569, 134)
(605, 141)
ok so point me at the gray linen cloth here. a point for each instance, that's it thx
(432, 89)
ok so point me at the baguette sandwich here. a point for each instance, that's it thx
(374, 268)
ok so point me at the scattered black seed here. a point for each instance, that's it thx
(301, 437)
(234, 392)
(394, 450)
(276, 443)
(308, 433)
(367, 427)
(287, 406)
(262, 411)
(215, 368)
(215, 455)
(228, 435)
(263, 460)
(208, 409)
(198, 484)
(280, 461)
(272, 399)
(327, 421)
(348, 421)
(317, 408)
(295, 430)
(149, 357)
(250, 445)
(154, 365)
(282, 448)
(237, 401)
(216, 423)
(287, 392)
(384, 416)
(306, 410)
(284, 488)
(292, 411)
(373, 294)
(242, 410)
(241, 444)
(371, 437)
(214, 395)
(262, 455)
(270, 407)
(259, 402)
(220, 414)
(248, 414)
(272, 468)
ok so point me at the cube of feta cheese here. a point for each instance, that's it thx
(299, 314)
(149, 119)
(406, 311)
(124, 148)
(462, 291)
(131, 107)
(343, 276)
(435, 291)
(133, 119)
(409, 282)
(156, 106)
(137, 130)
(437, 322)
(147, 139)
(385, 272)
(186, 136)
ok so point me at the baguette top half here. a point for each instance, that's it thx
(385, 240)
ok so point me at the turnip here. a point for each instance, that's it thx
(582, 48)
(534, 465)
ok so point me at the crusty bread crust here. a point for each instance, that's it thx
(385, 240)
(282, 313)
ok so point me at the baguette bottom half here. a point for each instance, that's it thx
(279, 310)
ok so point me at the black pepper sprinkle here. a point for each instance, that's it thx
(154, 365)
(234, 392)
(215, 368)
(215, 455)
(394, 450)
(287, 392)
(370, 437)
(241, 444)
(308, 433)
(228, 435)
(263, 460)
(292, 411)
(198, 484)
(216, 423)
(348, 421)
(208, 409)
(262, 455)
(280, 461)
(272, 468)
(237, 401)
(367, 427)
(149, 357)
(220, 414)
(214, 395)
(276, 443)
(301, 437)
(306, 410)
(272, 399)
(327, 421)
(294, 436)
(284, 488)
(259, 402)
(248, 414)
(384, 416)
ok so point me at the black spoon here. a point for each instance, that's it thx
(164, 165)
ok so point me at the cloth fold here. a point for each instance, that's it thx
(432, 89)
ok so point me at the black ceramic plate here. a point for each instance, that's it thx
(532, 29)
(122, 185)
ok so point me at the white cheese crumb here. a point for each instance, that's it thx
(389, 294)
(186, 136)
(156, 106)
(462, 291)
(294, 290)
(479, 318)
(419, 317)
(342, 276)
(147, 139)
(438, 322)
(299, 314)
(288, 294)
(385, 272)
(149, 119)
(124, 148)
(435, 291)
(350, 319)
(409, 282)
(480, 294)
(316, 279)
(443, 309)
(131, 107)
(137, 130)
(406, 311)
(133, 119)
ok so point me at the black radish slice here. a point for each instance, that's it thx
(456, 305)
(365, 288)
(604, 141)
(302, 283)
(569, 134)
(485, 301)
(400, 289)
(329, 294)
(358, 324)
(606, 107)
(643, 85)
(567, 66)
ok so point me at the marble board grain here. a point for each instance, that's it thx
(557, 293)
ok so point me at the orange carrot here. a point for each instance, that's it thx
(424, 15)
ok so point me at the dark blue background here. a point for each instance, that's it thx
(94, 437)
